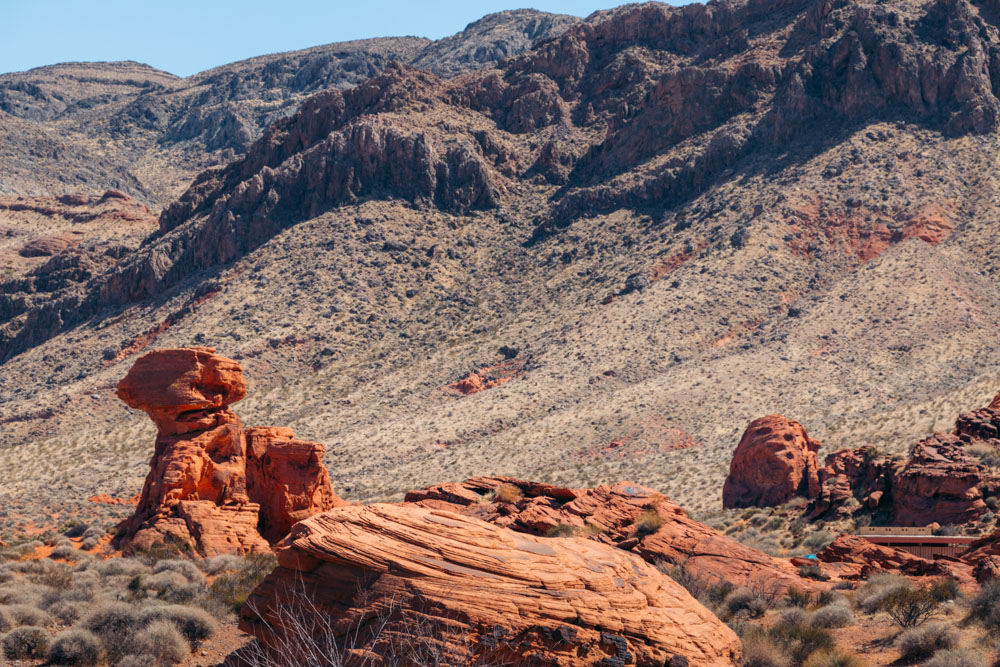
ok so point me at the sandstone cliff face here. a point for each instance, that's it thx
(198, 493)
(852, 478)
(775, 460)
(376, 573)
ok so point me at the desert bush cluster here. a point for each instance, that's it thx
(63, 606)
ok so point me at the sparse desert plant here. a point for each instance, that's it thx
(137, 661)
(794, 616)
(115, 624)
(955, 658)
(507, 493)
(561, 530)
(801, 641)
(27, 641)
(920, 643)
(813, 571)
(193, 623)
(75, 647)
(232, 588)
(796, 597)
(869, 597)
(748, 601)
(909, 607)
(985, 605)
(23, 614)
(944, 589)
(833, 658)
(817, 540)
(648, 522)
(761, 650)
(67, 611)
(162, 641)
(832, 616)
(185, 568)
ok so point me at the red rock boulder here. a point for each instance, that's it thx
(287, 478)
(940, 483)
(196, 494)
(775, 461)
(395, 581)
(851, 479)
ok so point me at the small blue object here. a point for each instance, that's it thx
(811, 557)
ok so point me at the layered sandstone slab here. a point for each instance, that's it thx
(391, 579)
(626, 515)
(775, 461)
(940, 483)
(853, 557)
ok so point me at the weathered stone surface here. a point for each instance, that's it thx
(287, 478)
(197, 492)
(609, 514)
(775, 461)
(851, 477)
(469, 590)
(857, 558)
(940, 483)
(46, 246)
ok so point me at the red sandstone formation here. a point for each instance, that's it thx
(851, 478)
(425, 580)
(982, 424)
(287, 477)
(625, 515)
(197, 492)
(940, 483)
(775, 460)
(852, 557)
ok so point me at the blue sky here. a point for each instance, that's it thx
(188, 36)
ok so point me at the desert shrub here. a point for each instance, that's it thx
(561, 530)
(27, 641)
(648, 522)
(817, 541)
(801, 641)
(115, 624)
(233, 588)
(944, 589)
(195, 624)
(955, 658)
(796, 597)
(748, 601)
(162, 641)
(65, 552)
(89, 543)
(755, 539)
(794, 616)
(67, 611)
(832, 616)
(74, 528)
(217, 564)
(870, 596)
(909, 607)
(122, 566)
(985, 605)
(813, 571)
(507, 493)
(75, 647)
(831, 597)
(169, 586)
(919, 643)
(24, 614)
(761, 650)
(185, 568)
(833, 658)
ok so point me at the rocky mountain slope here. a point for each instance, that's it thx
(127, 126)
(597, 261)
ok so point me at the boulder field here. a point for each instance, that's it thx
(214, 488)
(940, 482)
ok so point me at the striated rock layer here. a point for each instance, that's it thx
(626, 515)
(398, 580)
(775, 460)
(203, 493)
